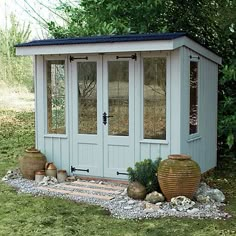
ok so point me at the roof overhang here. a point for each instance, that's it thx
(117, 46)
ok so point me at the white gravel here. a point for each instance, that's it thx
(121, 206)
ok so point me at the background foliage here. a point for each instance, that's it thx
(15, 70)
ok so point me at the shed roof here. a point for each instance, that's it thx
(114, 43)
(104, 39)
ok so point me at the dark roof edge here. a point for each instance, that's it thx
(103, 39)
(113, 39)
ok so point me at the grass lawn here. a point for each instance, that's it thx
(23, 214)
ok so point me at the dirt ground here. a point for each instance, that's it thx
(17, 99)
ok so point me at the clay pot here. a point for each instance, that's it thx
(50, 169)
(32, 160)
(39, 175)
(61, 176)
(178, 176)
(136, 190)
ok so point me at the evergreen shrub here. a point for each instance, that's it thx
(145, 172)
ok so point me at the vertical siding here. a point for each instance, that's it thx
(65, 154)
(210, 108)
(154, 150)
(56, 150)
(202, 148)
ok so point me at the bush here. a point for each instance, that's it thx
(145, 172)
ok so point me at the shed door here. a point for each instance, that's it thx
(118, 103)
(103, 116)
(87, 143)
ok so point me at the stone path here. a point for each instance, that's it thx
(85, 189)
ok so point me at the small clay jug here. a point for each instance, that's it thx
(39, 175)
(61, 176)
(50, 169)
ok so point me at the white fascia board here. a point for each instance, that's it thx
(198, 48)
(154, 45)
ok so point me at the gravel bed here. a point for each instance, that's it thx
(121, 206)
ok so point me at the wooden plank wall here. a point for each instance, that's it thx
(202, 147)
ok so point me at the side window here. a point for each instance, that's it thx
(193, 104)
(56, 115)
(154, 98)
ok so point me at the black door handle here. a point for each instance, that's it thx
(104, 118)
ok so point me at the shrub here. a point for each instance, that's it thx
(145, 172)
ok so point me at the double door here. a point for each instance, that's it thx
(103, 115)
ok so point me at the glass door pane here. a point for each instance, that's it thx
(118, 98)
(87, 97)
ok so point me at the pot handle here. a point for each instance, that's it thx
(47, 165)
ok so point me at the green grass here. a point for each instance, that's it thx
(23, 214)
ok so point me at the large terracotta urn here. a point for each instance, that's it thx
(178, 176)
(32, 161)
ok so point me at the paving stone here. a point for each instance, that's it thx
(75, 193)
(98, 185)
(89, 189)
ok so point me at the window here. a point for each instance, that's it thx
(56, 96)
(87, 97)
(118, 94)
(154, 98)
(193, 109)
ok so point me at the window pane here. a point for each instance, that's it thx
(193, 116)
(154, 90)
(87, 97)
(118, 79)
(56, 96)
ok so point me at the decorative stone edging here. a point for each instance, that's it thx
(120, 205)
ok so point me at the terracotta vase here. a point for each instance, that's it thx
(178, 176)
(32, 161)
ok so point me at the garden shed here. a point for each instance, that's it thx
(106, 102)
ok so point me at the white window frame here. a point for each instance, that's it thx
(156, 55)
(194, 136)
(46, 133)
